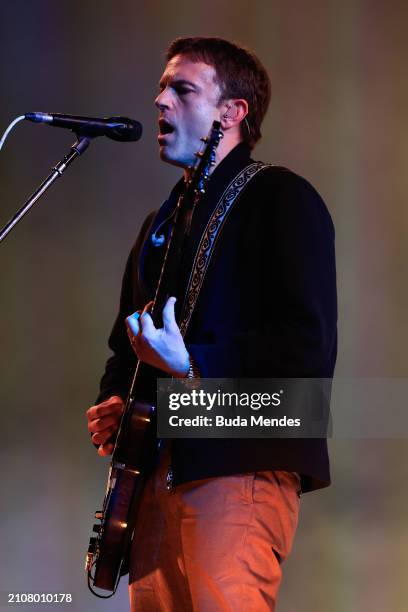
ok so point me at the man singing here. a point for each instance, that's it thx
(218, 516)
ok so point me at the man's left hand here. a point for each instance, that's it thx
(161, 348)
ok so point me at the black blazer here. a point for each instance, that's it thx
(267, 309)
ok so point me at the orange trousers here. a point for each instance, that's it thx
(213, 545)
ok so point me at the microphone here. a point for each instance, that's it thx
(122, 129)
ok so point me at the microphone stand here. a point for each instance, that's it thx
(75, 151)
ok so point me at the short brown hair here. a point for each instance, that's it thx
(240, 74)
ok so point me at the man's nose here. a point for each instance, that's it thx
(163, 100)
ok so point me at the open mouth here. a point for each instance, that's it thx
(165, 127)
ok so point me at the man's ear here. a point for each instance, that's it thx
(233, 112)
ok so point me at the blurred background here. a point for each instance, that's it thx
(338, 116)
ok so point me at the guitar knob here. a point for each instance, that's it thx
(92, 545)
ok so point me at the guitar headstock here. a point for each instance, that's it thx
(200, 175)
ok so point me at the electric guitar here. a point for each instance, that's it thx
(136, 442)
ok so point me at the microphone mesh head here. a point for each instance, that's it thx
(127, 130)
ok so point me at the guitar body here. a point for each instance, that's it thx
(136, 442)
(133, 455)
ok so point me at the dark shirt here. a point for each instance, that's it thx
(267, 309)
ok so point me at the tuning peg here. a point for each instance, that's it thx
(198, 154)
(99, 515)
(204, 139)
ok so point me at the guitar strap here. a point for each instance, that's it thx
(210, 237)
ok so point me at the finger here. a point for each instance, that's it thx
(103, 436)
(105, 449)
(132, 323)
(98, 425)
(111, 401)
(146, 310)
(132, 339)
(169, 317)
(114, 405)
(100, 412)
(147, 325)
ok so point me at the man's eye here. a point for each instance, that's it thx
(182, 91)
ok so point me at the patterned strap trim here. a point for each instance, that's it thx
(210, 237)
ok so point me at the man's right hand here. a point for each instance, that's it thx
(103, 423)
